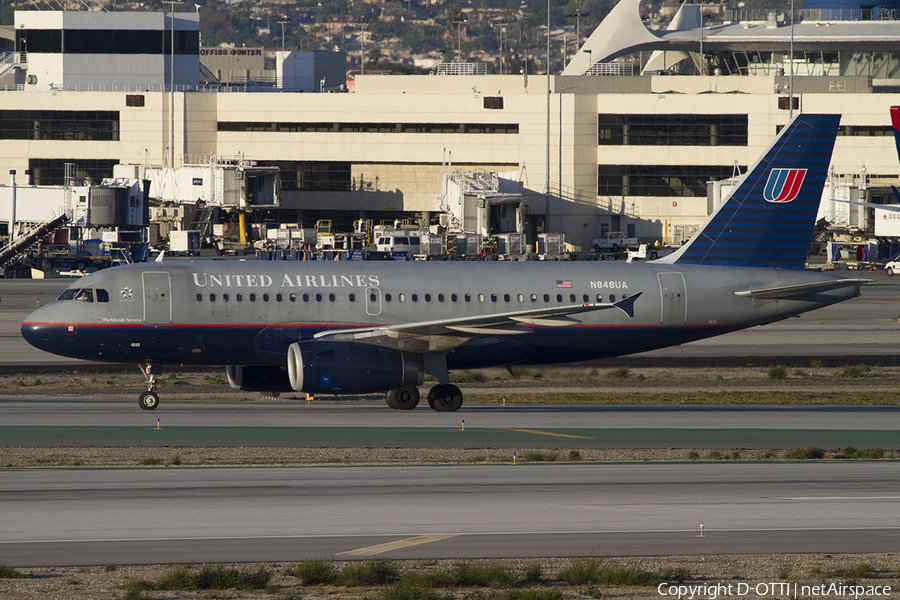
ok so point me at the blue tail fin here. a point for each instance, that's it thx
(895, 123)
(768, 220)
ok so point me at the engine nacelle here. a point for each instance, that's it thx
(258, 379)
(326, 367)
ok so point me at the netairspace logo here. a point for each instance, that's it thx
(767, 590)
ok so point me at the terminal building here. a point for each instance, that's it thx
(590, 152)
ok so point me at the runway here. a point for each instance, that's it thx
(74, 517)
(355, 424)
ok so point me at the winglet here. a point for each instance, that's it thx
(768, 220)
(626, 305)
(159, 257)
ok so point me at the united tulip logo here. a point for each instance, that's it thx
(783, 184)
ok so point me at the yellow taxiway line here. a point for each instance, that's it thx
(535, 431)
(413, 541)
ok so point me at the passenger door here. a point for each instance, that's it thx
(674, 299)
(157, 298)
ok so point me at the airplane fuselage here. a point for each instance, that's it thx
(248, 313)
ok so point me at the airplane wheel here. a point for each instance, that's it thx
(148, 400)
(389, 399)
(403, 398)
(445, 398)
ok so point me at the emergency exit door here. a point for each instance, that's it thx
(674, 299)
(157, 298)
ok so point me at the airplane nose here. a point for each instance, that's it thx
(36, 329)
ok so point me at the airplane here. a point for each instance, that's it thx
(348, 328)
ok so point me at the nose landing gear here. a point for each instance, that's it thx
(150, 399)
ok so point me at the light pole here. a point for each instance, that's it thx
(577, 16)
(459, 18)
(283, 19)
(547, 174)
(361, 21)
(501, 24)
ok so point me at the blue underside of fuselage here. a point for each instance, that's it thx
(243, 346)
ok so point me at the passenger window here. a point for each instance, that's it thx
(402, 297)
(546, 297)
(353, 298)
(506, 297)
(401, 241)
(493, 297)
(239, 297)
(626, 295)
(571, 297)
(277, 297)
(452, 297)
(387, 297)
(103, 295)
(413, 240)
(331, 297)
(85, 295)
(521, 298)
(427, 297)
(481, 297)
(440, 297)
(224, 297)
(612, 298)
(292, 297)
(212, 297)
(265, 297)
(586, 298)
(318, 297)
(415, 297)
(599, 297)
(559, 297)
(199, 297)
(252, 297)
(468, 298)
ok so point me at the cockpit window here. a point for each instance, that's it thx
(102, 295)
(86, 295)
(68, 295)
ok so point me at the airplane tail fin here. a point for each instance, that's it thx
(768, 220)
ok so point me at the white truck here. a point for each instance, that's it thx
(614, 241)
(650, 252)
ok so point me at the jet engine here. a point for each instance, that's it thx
(258, 379)
(326, 367)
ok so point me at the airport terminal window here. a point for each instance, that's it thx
(42, 41)
(671, 130)
(332, 127)
(659, 180)
(60, 125)
(313, 176)
(51, 171)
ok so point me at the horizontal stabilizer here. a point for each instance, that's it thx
(803, 289)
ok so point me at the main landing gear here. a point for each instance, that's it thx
(443, 397)
(150, 399)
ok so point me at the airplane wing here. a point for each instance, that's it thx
(445, 334)
(890, 207)
(788, 292)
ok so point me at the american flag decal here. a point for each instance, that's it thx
(783, 185)
(563, 284)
